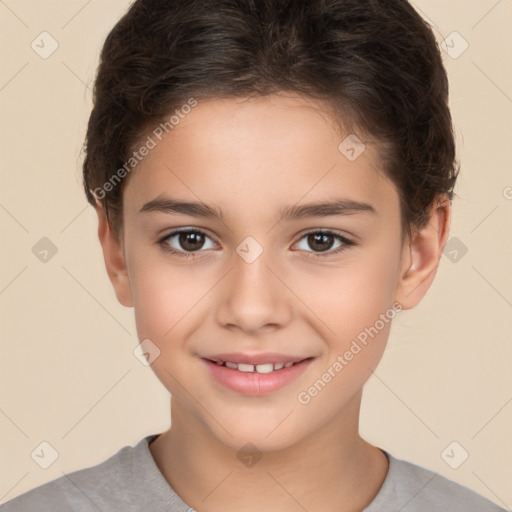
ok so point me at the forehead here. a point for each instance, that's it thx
(259, 152)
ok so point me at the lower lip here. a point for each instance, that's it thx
(253, 383)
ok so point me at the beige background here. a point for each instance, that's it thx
(68, 374)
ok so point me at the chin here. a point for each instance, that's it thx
(263, 437)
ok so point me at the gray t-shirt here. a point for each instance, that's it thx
(130, 481)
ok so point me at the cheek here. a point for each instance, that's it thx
(164, 297)
(350, 298)
(358, 309)
(165, 300)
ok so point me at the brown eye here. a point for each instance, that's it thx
(320, 241)
(185, 242)
(191, 240)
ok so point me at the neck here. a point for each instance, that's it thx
(332, 469)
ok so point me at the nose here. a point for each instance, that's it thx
(253, 296)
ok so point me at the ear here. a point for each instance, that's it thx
(115, 262)
(422, 253)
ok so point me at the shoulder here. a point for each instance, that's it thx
(114, 484)
(413, 488)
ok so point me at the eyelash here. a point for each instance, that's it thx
(191, 255)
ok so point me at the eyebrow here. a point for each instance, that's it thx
(165, 204)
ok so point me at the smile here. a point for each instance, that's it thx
(256, 379)
(258, 368)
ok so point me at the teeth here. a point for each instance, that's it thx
(259, 368)
(264, 368)
(245, 367)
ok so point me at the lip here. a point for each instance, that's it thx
(256, 384)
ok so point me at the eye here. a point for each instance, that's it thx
(184, 242)
(323, 241)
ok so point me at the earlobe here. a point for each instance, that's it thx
(422, 254)
(115, 261)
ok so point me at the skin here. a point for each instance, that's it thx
(251, 158)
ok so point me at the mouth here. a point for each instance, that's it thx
(257, 375)
(256, 368)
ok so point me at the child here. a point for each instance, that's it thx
(260, 130)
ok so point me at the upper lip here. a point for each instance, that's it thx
(255, 358)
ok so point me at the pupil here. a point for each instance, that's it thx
(319, 239)
(187, 241)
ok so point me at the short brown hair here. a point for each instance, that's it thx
(376, 62)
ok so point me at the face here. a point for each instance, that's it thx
(257, 275)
